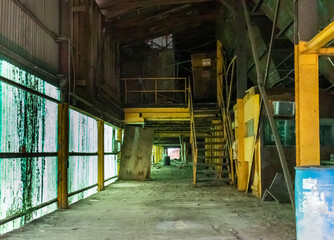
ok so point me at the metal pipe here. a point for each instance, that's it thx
(271, 43)
(272, 122)
(81, 190)
(72, 154)
(8, 155)
(108, 179)
(17, 85)
(18, 215)
(40, 72)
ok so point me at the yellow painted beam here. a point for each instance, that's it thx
(140, 117)
(100, 152)
(320, 40)
(326, 51)
(307, 108)
(156, 110)
(119, 154)
(240, 147)
(63, 143)
(194, 166)
(162, 115)
(219, 71)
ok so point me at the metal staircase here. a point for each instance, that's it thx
(212, 161)
(208, 141)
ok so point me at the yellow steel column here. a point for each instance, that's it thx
(63, 143)
(100, 153)
(307, 107)
(119, 154)
(242, 164)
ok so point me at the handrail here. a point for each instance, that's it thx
(192, 133)
(224, 109)
(154, 89)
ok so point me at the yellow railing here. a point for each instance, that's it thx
(155, 90)
(225, 82)
(192, 134)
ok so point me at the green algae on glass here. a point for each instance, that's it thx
(110, 161)
(82, 171)
(28, 123)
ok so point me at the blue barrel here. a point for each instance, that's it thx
(314, 194)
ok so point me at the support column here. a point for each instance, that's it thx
(63, 143)
(241, 50)
(307, 88)
(119, 154)
(307, 109)
(65, 47)
(100, 154)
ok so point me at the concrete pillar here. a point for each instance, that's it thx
(136, 154)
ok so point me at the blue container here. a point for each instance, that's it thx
(314, 194)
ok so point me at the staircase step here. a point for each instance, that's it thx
(212, 179)
(199, 125)
(207, 119)
(210, 136)
(210, 150)
(210, 157)
(211, 172)
(212, 164)
(206, 114)
(211, 143)
(210, 130)
(205, 105)
(206, 110)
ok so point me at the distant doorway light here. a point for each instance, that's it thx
(173, 153)
(161, 42)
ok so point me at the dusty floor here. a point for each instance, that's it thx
(168, 207)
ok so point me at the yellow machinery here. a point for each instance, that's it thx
(257, 158)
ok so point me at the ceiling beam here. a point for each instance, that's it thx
(133, 4)
(143, 21)
(116, 8)
(161, 28)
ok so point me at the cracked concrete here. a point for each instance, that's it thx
(168, 207)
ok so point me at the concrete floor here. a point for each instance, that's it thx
(168, 207)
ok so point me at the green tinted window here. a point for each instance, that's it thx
(286, 130)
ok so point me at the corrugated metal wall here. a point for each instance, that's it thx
(22, 35)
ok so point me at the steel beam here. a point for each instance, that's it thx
(320, 40)
(272, 122)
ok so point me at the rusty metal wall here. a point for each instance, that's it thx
(22, 35)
